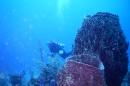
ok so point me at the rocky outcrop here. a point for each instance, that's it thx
(78, 73)
(102, 35)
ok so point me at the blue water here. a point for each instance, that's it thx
(27, 24)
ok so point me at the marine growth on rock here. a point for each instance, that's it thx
(102, 34)
(79, 73)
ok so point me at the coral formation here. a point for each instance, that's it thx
(16, 80)
(102, 35)
(3, 79)
(99, 40)
(77, 73)
(128, 76)
(34, 82)
(126, 80)
(50, 69)
(49, 73)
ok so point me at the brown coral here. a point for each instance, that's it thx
(102, 34)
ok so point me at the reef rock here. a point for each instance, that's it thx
(16, 80)
(102, 34)
(3, 79)
(77, 73)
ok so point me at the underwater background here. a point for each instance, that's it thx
(27, 25)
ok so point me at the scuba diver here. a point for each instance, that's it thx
(58, 48)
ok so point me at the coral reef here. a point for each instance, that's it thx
(77, 73)
(126, 80)
(128, 77)
(102, 35)
(16, 80)
(3, 79)
(49, 70)
(34, 82)
(49, 73)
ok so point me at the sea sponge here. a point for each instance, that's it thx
(84, 72)
(102, 34)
